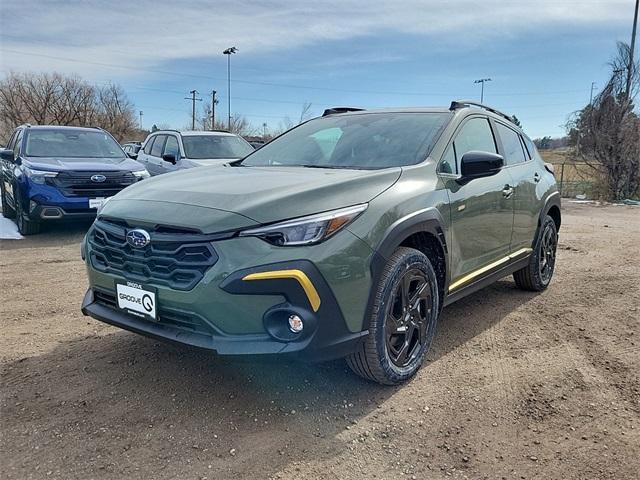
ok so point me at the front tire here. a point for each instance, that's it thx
(26, 226)
(537, 275)
(7, 211)
(403, 320)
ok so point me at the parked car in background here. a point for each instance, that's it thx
(132, 149)
(53, 173)
(343, 237)
(169, 150)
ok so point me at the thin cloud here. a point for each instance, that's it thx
(148, 34)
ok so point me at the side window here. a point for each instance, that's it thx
(533, 152)
(148, 145)
(513, 151)
(12, 140)
(475, 135)
(17, 148)
(171, 146)
(448, 163)
(156, 149)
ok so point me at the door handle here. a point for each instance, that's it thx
(536, 177)
(507, 191)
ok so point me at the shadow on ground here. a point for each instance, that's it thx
(117, 402)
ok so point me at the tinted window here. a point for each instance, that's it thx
(448, 163)
(475, 135)
(171, 146)
(156, 149)
(369, 140)
(215, 146)
(530, 147)
(17, 147)
(513, 151)
(148, 145)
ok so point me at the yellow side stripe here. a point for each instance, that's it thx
(298, 275)
(470, 276)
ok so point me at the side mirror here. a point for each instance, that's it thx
(132, 155)
(7, 155)
(169, 157)
(479, 164)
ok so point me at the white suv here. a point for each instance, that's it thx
(170, 150)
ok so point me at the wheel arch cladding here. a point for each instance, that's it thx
(422, 230)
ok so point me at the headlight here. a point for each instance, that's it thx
(140, 174)
(306, 230)
(104, 202)
(38, 176)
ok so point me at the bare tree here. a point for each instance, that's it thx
(60, 100)
(606, 134)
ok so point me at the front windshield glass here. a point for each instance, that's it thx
(215, 146)
(365, 141)
(72, 144)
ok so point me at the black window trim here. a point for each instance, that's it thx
(502, 151)
(450, 142)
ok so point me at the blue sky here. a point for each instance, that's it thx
(541, 55)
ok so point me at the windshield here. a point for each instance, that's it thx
(366, 141)
(72, 144)
(215, 146)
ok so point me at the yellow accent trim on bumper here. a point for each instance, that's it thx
(470, 276)
(298, 275)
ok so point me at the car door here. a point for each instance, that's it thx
(144, 156)
(526, 175)
(481, 211)
(171, 148)
(8, 167)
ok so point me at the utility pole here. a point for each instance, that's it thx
(193, 107)
(482, 81)
(593, 84)
(141, 119)
(213, 109)
(228, 52)
(631, 51)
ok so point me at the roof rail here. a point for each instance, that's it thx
(456, 104)
(334, 110)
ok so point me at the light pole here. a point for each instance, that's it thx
(264, 131)
(482, 81)
(593, 85)
(141, 119)
(228, 52)
(631, 51)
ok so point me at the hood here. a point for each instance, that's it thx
(209, 162)
(260, 194)
(58, 164)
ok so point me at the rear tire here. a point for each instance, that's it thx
(537, 275)
(7, 211)
(403, 320)
(26, 226)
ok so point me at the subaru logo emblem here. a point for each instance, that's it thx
(98, 178)
(138, 238)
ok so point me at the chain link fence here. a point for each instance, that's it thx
(577, 180)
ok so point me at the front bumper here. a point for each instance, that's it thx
(242, 304)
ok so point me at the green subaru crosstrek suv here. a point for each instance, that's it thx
(343, 237)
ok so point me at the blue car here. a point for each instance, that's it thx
(55, 173)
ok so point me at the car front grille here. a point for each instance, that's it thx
(175, 260)
(79, 184)
(171, 318)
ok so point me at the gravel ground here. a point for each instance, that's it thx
(518, 385)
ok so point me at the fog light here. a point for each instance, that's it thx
(295, 324)
(32, 206)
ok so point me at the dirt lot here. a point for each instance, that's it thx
(519, 385)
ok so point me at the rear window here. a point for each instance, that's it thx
(365, 141)
(71, 144)
(201, 147)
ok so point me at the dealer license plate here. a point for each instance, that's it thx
(137, 300)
